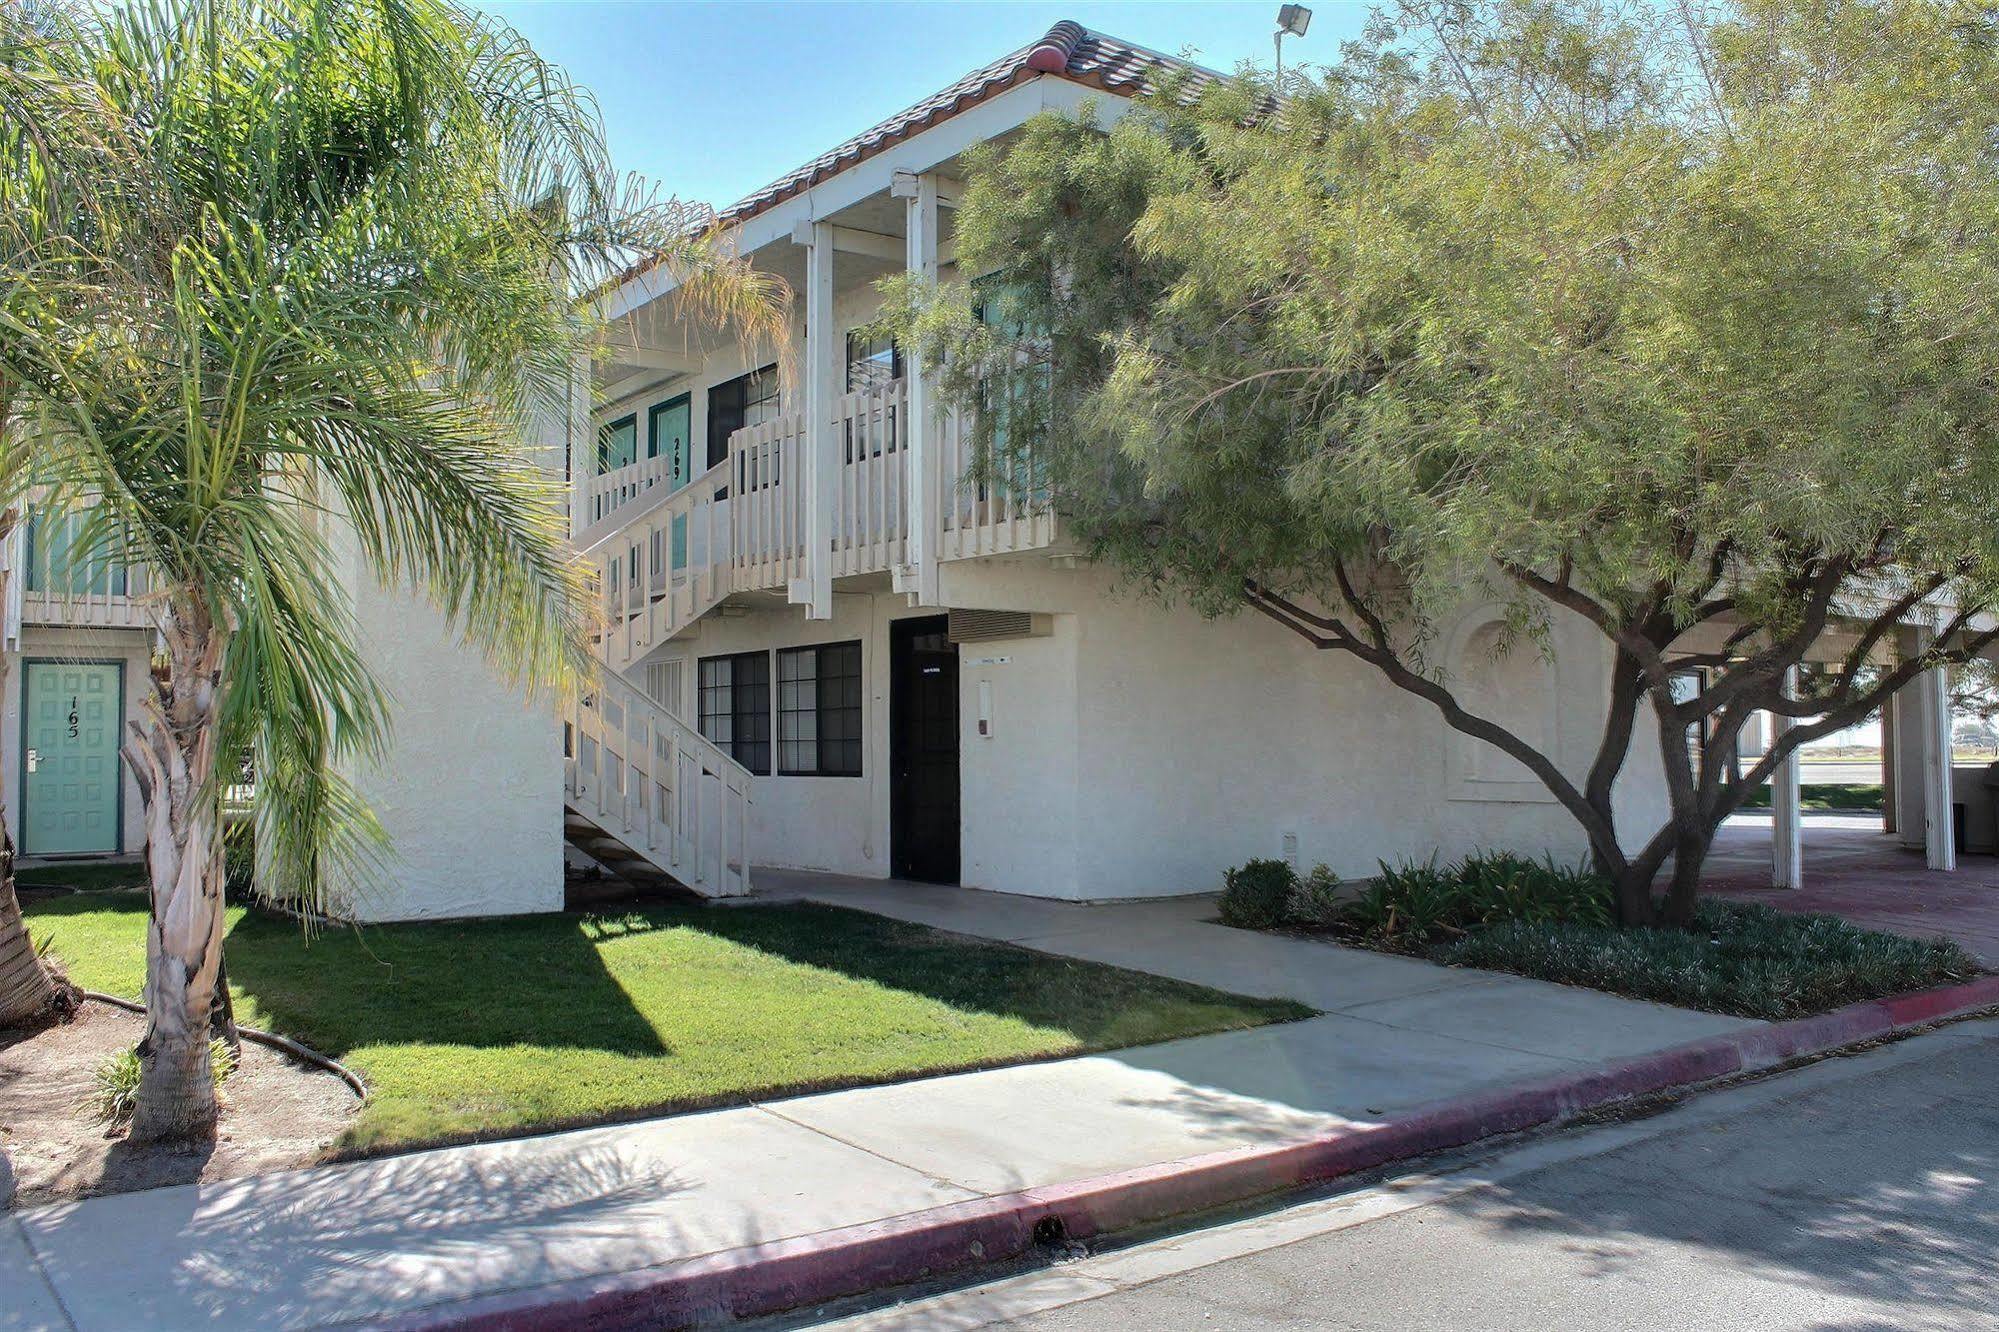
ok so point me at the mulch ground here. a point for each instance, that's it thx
(276, 1114)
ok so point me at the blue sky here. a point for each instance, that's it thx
(713, 100)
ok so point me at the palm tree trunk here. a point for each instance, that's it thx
(173, 757)
(26, 989)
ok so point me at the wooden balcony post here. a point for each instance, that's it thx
(823, 354)
(1933, 704)
(919, 424)
(579, 452)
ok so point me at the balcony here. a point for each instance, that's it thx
(663, 560)
(49, 587)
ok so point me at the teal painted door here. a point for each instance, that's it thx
(671, 426)
(70, 782)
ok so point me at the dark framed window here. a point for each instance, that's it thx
(872, 365)
(618, 443)
(734, 707)
(746, 400)
(872, 362)
(819, 711)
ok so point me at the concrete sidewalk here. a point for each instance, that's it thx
(365, 1240)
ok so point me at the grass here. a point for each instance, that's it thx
(1741, 958)
(490, 1028)
(1857, 796)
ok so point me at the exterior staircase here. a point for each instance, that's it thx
(644, 793)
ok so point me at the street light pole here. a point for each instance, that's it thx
(1292, 20)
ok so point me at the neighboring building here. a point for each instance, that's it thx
(826, 649)
(80, 641)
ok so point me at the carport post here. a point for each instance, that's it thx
(1787, 846)
(1933, 705)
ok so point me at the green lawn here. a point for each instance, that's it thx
(490, 1028)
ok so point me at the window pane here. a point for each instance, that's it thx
(872, 363)
(717, 712)
(752, 710)
(797, 716)
(839, 713)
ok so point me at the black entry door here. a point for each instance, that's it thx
(923, 742)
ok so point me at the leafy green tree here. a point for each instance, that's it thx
(1681, 321)
(334, 269)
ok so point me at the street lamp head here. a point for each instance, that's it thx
(1293, 19)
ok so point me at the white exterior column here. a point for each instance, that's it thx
(823, 352)
(1933, 707)
(919, 427)
(576, 439)
(1787, 842)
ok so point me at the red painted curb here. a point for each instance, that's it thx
(811, 1269)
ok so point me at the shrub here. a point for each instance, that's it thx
(1257, 894)
(116, 1084)
(1499, 885)
(1410, 904)
(1319, 899)
(1406, 904)
(1740, 958)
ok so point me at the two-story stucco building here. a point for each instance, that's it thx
(825, 648)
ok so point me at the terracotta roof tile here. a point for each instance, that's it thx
(1069, 51)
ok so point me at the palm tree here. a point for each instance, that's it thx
(348, 253)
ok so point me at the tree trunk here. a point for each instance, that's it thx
(172, 755)
(26, 988)
(1690, 850)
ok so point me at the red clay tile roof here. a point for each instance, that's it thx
(1069, 51)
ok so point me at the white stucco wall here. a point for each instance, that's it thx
(470, 787)
(1140, 750)
(132, 647)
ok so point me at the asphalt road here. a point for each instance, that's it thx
(1857, 1195)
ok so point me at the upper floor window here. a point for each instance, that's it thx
(618, 444)
(746, 400)
(60, 563)
(872, 365)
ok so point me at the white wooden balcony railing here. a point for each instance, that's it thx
(665, 560)
(43, 590)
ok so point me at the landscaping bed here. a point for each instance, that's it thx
(1827, 797)
(276, 1114)
(481, 1029)
(1503, 912)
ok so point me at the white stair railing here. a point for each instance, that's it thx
(663, 569)
(661, 790)
(598, 498)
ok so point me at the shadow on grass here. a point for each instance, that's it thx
(535, 981)
(1100, 1006)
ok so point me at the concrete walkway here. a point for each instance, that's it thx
(1854, 870)
(363, 1240)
